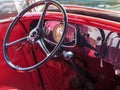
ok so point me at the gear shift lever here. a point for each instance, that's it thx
(69, 56)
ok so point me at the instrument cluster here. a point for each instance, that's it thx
(54, 31)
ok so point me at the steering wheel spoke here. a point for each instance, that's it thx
(43, 46)
(16, 41)
(41, 20)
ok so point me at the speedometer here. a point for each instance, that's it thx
(57, 32)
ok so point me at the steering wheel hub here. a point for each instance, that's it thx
(34, 35)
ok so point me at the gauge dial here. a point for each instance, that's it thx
(57, 32)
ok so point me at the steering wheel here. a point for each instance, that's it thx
(35, 35)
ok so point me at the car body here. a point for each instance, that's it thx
(81, 51)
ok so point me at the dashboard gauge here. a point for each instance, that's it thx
(57, 32)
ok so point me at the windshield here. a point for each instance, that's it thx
(104, 4)
(10, 8)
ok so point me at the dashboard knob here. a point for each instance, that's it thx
(68, 55)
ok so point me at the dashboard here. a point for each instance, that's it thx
(94, 36)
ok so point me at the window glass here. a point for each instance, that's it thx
(10, 8)
(7, 9)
